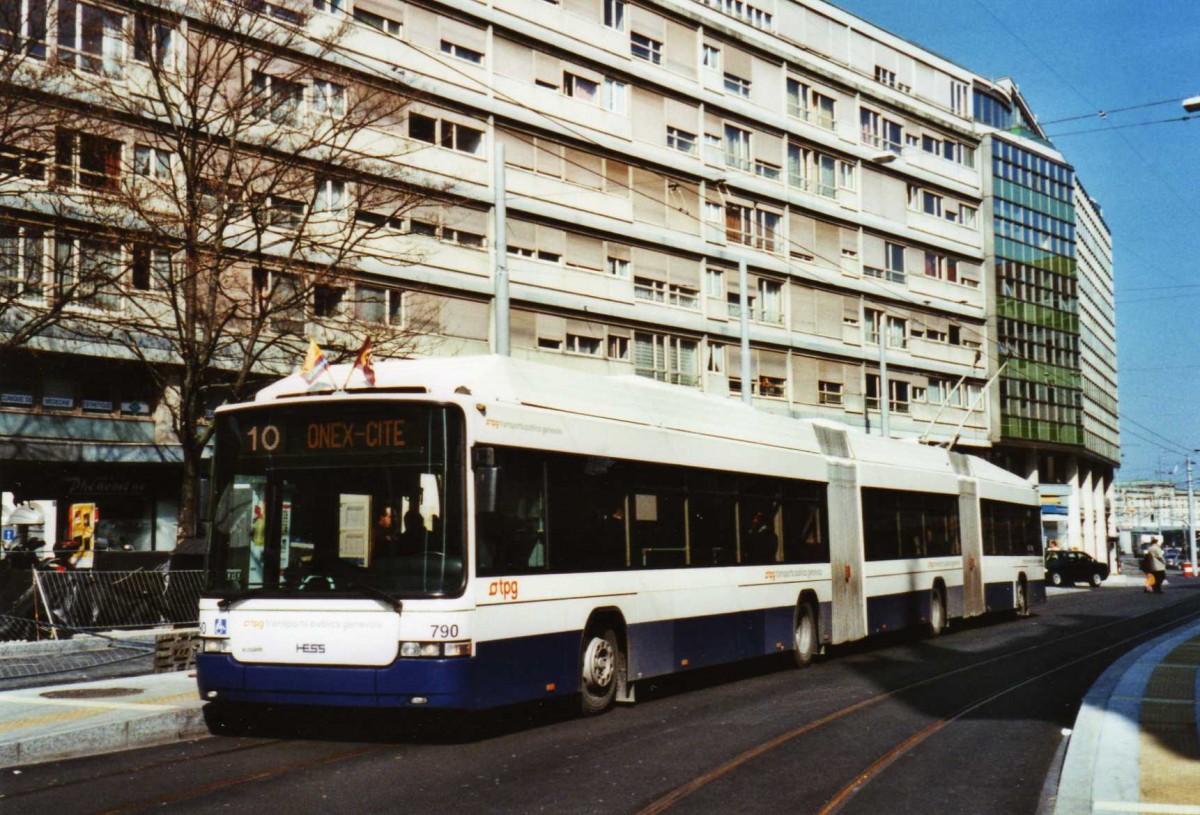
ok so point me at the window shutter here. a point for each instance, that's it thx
(547, 69)
(522, 328)
(772, 363)
(585, 328)
(462, 34)
(585, 251)
(551, 327)
(551, 239)
(518, 149)
(737, 61)
(651, 264)
(684, 271)
(513, 59)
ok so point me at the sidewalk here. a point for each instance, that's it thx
(1135, 747)
(46, 713)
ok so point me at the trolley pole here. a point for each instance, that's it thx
(885, 391)
(500, 246)
(744, 308)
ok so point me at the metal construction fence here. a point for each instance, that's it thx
(59, 603)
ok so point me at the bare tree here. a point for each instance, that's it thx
(254, 175)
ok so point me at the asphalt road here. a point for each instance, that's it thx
(967, 722)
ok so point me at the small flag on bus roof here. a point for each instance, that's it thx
(314, 363)
(365, 361)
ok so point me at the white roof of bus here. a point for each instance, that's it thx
(626, 398)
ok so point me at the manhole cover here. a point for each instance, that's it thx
(91, 693)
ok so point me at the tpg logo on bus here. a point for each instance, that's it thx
(507, 589)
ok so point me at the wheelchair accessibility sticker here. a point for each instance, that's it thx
(221, 626)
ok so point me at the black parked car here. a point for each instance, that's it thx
(1064, 568)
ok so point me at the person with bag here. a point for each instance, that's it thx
(1154, 564)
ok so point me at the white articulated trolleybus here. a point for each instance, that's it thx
(472, 532)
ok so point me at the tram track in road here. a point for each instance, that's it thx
(843, 796)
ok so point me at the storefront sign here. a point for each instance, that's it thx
(103, 486)
(95, 404)
(137, 408)
(16, 398)
(63, 402)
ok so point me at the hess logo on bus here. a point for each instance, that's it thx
(505, 589)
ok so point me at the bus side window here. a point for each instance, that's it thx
(512, 540)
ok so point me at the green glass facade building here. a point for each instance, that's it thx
(1037, 301)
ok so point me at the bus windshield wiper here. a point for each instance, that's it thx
(340, 572)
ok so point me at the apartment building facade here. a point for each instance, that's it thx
(651, 150)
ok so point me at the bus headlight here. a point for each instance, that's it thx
(215, 646)
(435, 649)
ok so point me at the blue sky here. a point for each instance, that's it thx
(1078, 57)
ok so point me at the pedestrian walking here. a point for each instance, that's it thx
(1155, 565)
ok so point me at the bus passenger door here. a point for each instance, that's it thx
(846, 553)
(971, 530)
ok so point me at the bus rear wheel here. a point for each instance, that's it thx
(937, 613)
(1022, 603)
(804, 638)
(601, 657)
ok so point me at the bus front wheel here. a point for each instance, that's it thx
(601, 656)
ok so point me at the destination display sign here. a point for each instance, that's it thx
(341, 431)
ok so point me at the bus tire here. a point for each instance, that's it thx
(1022, 603)
(937, 613)
(804, 638)
(598, 672)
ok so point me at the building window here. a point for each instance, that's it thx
(829, 393)
(770, 300)
(899, 396)
(329, 98)
(753, 227)
(645, 48)
(618, 348)
(711, 58)
(737, 85)
(91, 162)
(91, 38)
(378, 22)
(616, 96)
(714, 282)
(580, 88)
(22, 261)
(958, 98)
(330, 195)
(737, 148)
(931, 203)
(766, 170)
(87, 272)
(681, 140)
(578, 344)
(277, 99)
(665, 358)
(286, 212)
(444, 133)
(378, 305)
(462, 52)
(151, 162)
(614, 14)
(617, 267)
(894, 258)
(885, 76)
(966, 215)
(153, 42)
(880, 132)
(809, 105)
(150, 269)
(24, 21)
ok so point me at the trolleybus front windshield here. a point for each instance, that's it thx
(364, 498)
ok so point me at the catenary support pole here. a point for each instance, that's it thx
(1191, 518)
(744, 308)
(500, 244)
(885, 391)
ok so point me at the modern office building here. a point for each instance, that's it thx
(670, 168)
(1054, 325)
